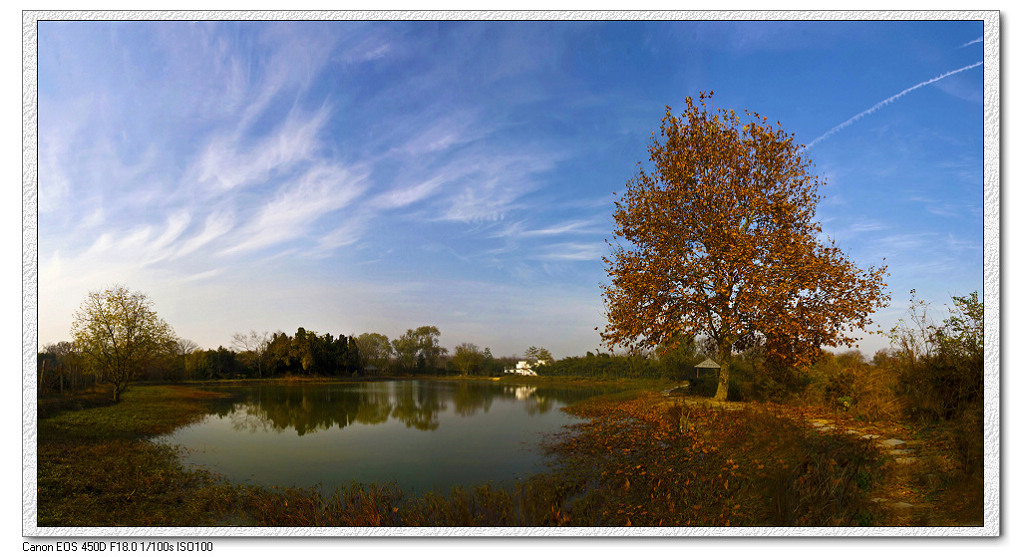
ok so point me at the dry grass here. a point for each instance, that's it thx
(700, 466)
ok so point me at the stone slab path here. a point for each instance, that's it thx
(902, 494)
(906, 506)
(909, 478)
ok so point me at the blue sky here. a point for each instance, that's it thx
(352, 177)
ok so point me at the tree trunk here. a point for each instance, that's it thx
(723, 373)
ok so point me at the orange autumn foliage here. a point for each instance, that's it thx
(718, 238)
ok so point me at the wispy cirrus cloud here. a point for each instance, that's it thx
(521, 229)
(942, 207)
(216, 225)
(407, 195)
(321, 190)
(227, 162)
(906, 242)
(347, 233)
(53, 153)
(142, 244)
(176, 225)
(572, 251)
(474, 184)
(867, 226)
(595, 225)
(493, 184)
(843, 232)
(437, 133)
(486, 199)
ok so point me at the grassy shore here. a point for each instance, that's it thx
(633, 462)
(98, 467)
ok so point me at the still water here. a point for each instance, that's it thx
(421, 435)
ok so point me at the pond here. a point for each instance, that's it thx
(420, 435)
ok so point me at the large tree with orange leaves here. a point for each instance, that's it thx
(717, 237)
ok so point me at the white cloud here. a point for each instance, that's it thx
(867, 226)
(407, 195)
(198, 277)
(366, 50)
(441, 133)
(138, 246)
(176, 225)
(100, 246)
(346, 234)
(216, 225)
(321, 190)
(573, 251)
(493, 183)
(93, 220)
(225, 163)
(480, 183)
(595, 225)
(134, 243)
(944, 209)
(486, 200)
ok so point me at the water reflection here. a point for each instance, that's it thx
(416, 404)
(419, 434)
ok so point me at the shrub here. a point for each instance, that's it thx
(941, 366)
(875, 394)
(839, 389)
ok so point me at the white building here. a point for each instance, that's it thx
(524, 367)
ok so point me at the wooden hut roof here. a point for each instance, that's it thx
(708, 363)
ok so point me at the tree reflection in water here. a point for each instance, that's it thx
(416, 404)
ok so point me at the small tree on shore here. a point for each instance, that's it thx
(419, 349)
(468, 359)
(119, 334)
(376, 352)
(254, 344)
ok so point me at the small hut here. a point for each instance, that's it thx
(706, 364)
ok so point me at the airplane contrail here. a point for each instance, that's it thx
(886, 101)
(974, 41)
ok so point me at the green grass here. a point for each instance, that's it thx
(97, 467)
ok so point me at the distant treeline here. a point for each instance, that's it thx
(61, 368)
(308, 353)
(417, 352)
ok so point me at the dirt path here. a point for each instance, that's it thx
(906, 494)
(902, 494)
